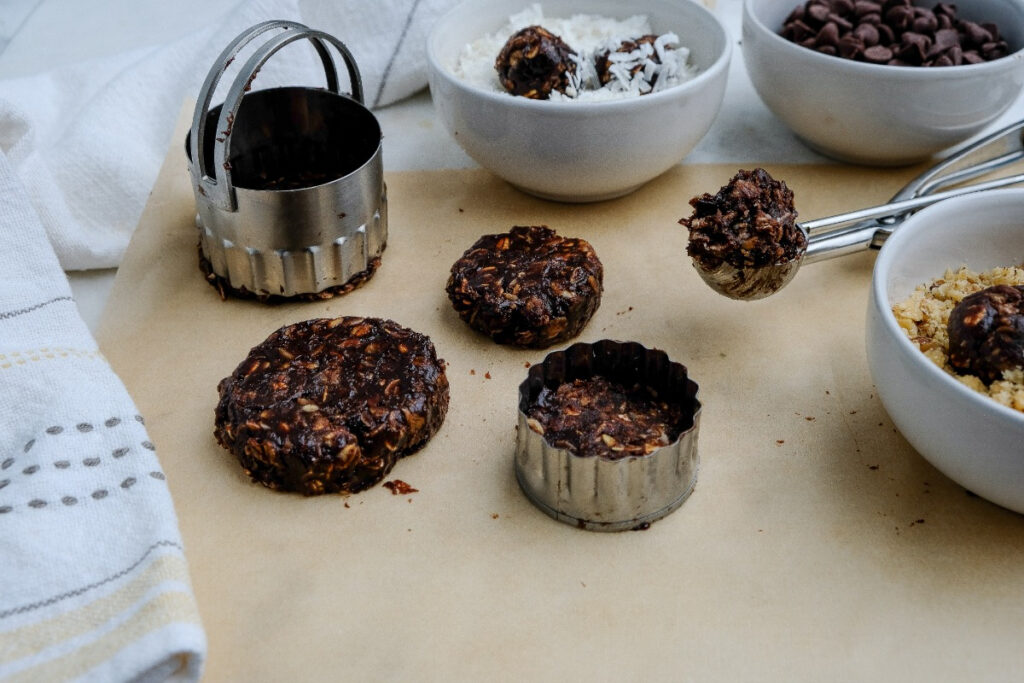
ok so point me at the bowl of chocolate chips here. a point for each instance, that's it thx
(945, 339)
(885, 82)
(578, 100)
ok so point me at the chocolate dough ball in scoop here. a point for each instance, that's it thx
(744, 240)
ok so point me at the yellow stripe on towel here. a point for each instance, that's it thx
(30, 639)
(10, 359)
(163, 610)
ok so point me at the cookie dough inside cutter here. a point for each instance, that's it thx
(597, 493)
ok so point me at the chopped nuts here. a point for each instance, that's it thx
(924, 318)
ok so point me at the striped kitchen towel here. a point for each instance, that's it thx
(93, 579)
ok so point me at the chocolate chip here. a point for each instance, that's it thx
(840, 22)
(910, 35)
(867, 34)
(861, 8)
(926, 23)
(877, 54)
(828, 36)
(945, 39)
(899, 17)
(818, 13)
(850, 47)
(886, 35)
(915, 47)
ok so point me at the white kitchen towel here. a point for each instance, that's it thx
(93, 580)
(88, 139)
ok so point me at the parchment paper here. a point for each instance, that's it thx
(817, 544)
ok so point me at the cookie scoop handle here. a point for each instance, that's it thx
(824, 242)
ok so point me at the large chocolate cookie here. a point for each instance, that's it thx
(329, 405)
(527, 287)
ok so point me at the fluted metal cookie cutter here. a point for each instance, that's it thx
(595, 492)
(288, 181)
(868, 228)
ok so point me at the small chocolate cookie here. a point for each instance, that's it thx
(533, 62)
(527, 287)
(986, 332)
(329, 405)
(595, 416)
(224, 288)
(751, 222)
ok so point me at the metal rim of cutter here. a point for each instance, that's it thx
(217, 187)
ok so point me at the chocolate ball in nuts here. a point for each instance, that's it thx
(986, 332)
(603, 61)
(533, 62)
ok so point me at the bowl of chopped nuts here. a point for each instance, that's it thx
(945, 339)
(884, 82)
(578, 100)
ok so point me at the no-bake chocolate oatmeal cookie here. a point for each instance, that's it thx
(597, 416)
(971, 325)
(527, 287)
(329, 405)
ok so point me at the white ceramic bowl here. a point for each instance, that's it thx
(973, 440)
(877, 114)
(579, 151)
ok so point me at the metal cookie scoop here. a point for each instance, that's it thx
(868, 228)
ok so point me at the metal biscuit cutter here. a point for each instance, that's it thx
(869, 228)
(594, 492)
(288, 182)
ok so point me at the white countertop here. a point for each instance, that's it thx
(36, 35)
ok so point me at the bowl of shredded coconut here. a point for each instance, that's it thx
(576, 100)
(945, 339)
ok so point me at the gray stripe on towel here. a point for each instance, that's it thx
(398, 48)
(28, 309)
(92, 586)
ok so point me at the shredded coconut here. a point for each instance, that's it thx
(923, 316)
(588, 35)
